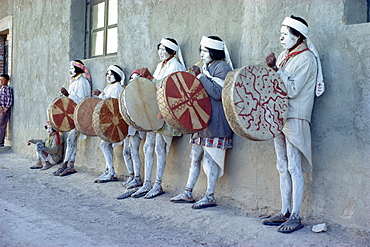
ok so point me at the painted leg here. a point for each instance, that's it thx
(71, 151)
(282, 167)
(295, 170)
(71, 146)
(134, 148)
(211, 169)
(110, 174)
(285, 183)
(196, 155)
(135, 153)
(160, 151)
(148, 153)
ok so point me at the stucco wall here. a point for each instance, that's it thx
(339, 189)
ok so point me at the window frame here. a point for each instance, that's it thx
(90, 31)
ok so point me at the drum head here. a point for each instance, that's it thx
(83, 115)
(184, 103)
(108, 123)
(255, 102)
(139, 107)
(60, 114)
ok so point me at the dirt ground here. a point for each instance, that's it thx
(39, 209)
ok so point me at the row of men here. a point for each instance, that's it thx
(299, 68)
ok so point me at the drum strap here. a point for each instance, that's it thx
(292, 54)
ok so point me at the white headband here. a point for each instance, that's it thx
(169, 44)
(303, 29)
(118, 71)
(212, 43)
(297, 25)
(217, 45)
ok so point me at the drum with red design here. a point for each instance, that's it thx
(139, 107)
(83, 115)
(184, 103)
(255, 102)
(60, 113)
(108, 123)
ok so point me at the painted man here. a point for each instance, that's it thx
(79, 88)
(209, 145)
(6, 101)
(114, 76)
(131, 154)
(48, 151)
(300, 69)
(160, 139)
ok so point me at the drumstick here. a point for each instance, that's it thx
(195, 65)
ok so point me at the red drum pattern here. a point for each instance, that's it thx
(255, 102)
(108, 123)
(60, 114)
(184, 103)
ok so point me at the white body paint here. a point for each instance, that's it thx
(205, 56)
(71, 148)
(199, 156)
(291, 176)
(131, 156)
(287, 39)
(162, 53)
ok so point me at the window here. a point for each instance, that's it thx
(101, 35)
(356, 11)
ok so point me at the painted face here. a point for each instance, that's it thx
(162, 53)
(134, 75)
(110, 77)
(72, 71)
(287, 39)
(49, 129)
(205, 56)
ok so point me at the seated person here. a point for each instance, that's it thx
(50, 151)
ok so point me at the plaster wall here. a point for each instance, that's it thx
(43, 44)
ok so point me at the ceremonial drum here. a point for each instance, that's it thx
(255, 102)
(184, 103)
(139, 107)
(108, 123)
(83, 115)
(60, 114)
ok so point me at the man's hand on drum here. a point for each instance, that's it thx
(96, 92)
(144, 72)
(195, 70)
(271, 61)
(64, 92)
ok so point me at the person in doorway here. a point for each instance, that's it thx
(209, 145)
(160, 139)
(79, 88)
(6, 101)
(299, 68)
(49, 151)
(114, 77)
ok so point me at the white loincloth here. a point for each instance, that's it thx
(298, 132)
(218, 156)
